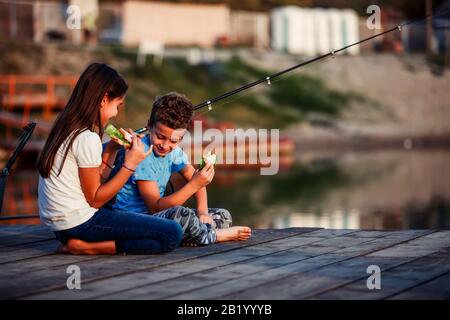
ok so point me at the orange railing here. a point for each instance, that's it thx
(29, 92)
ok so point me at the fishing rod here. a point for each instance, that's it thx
(26, 135)
(271, 77)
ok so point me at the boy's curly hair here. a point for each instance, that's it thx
(173, 110)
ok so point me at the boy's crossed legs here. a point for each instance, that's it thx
(221, 217)
(196, 232)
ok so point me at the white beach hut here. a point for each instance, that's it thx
(335, 26)
(350, 30)
(321, 31)
(306, 32)
(284, 21)
(313, 31)
(293, 30)
(276, 29)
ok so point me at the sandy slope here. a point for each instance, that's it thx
(410, 99)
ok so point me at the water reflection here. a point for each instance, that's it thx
(375, 190)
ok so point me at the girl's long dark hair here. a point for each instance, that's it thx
(82, 112)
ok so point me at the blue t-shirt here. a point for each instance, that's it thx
(152, 168)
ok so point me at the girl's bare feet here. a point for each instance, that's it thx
(233, 233)
(77, 246)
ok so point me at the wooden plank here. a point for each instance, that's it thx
(285, 272)
(216, 275)
(206, 264)
(23, 240)
(21, 227)
(26, 244)
(438, 288)
(312, 284)
(372, 233)
(396, 280)
(309, 284)
(434, 246)
(343, 242)
(420, 247)
(12, 269)
(23, 234)
(111, 266)
(15, 269)
(402, 233)
(330, 233)
(29, 250)
(208, 280)
(209, 270)
(36, 249)
(442, 253)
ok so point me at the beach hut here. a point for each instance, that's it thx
(313, 31)
(441, 26)
(306, 32)
(250, 29)
(276, 23)
(16, 20)
(321, 31)
(109, 23)
(282, 19)
(174, 24)
(50, 21)
(293, 30)
(335, 27)
(350, 30)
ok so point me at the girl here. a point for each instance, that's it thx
(72, 168)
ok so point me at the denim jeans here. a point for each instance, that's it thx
(134, 233)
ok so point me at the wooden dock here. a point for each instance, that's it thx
(294, 263)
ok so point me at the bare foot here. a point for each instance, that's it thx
(233, 233)
(77, 246)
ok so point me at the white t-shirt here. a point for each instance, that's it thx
(62, 204)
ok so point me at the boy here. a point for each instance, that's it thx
(144, 192)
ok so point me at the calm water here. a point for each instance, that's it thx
(376, 190)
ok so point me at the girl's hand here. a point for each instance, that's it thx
(135, 154)
(201, 178)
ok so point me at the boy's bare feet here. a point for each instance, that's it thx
(233, 233)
